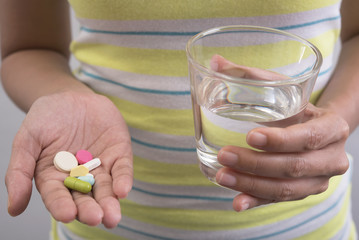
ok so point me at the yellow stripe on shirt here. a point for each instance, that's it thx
(87, 232)
(160, 120)
(189, 9)
(134, 60)
(169, 174)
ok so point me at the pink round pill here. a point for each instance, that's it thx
(83, 156)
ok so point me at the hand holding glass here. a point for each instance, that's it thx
(244, 77)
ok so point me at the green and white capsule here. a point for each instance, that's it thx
(77, 185)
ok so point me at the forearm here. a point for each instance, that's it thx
(30, 74)
(342, 93)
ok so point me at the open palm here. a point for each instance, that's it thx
(71, 121)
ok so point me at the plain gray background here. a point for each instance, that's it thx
(34, 223)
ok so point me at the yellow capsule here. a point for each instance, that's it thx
(77, 184)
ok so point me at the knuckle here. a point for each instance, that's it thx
(315, 139)
(296, 167)
(251, 185)
(341, 126)
(344, 129)
(285, 192)
(323, 187)
(282, 139)
(255, 165)
(343, 166)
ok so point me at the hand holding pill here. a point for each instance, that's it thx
(66, 162)
(71, 121)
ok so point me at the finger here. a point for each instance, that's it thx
(122, 172)
(89, 211)
(274, 189)
(106, 198)
(222, 65)
(20, 172)
(56, 197)
(244, 201)
(311, 135)
(329, 161)
(58, 200)
(109, 188)
(19, 188)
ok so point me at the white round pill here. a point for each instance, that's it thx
(65, 161)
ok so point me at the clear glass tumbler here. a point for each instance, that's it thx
(243, 77)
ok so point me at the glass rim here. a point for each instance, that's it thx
(297, 79)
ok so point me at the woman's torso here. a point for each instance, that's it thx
(133, 51)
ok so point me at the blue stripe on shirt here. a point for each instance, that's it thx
(150, 145)
(156, 91)
(145, 90)
(156, 33)
(222, 199)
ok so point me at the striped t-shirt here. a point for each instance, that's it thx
(133, 51)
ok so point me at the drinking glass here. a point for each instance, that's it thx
(278, 68)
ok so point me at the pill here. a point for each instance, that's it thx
(77, 184)
(64, 161)
(83, 156)
(78, 171)
(94, 163)
(88, 178)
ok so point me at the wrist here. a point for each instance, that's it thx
(43, 72)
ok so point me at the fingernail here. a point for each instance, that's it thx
(228, 180)
(228, 158)
(257, 139)
(214, 65)
(9, 206)
(245, 206)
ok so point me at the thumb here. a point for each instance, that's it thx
(20, 171)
